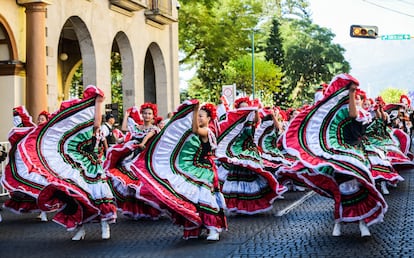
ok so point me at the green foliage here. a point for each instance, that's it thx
(274, 47)
(184, 95)
(392, 95)
(76, 90)
(212, 35)
(287, 8)
(267, 76)
(116, 81)
(216, 39)
(310, 58)
(197, 90)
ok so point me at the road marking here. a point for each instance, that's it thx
(296, 203)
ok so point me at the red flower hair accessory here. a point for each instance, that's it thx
(283, 114)
(151, 106)
(45, 113)
(256, 103)
(371, 101)
(210, 109)
(361, 93)
(135, 115)
(406, 98)
(157, 120)
(238, 101)
(380, 101)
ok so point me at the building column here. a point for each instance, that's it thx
(36, 75)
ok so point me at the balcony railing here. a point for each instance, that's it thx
(160, 11)
(130, 5)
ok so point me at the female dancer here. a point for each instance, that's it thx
(22, 199)
(247, 187)
(62, 174)
(125, 185)
(326, 140)
(43, 117)
(187, 191)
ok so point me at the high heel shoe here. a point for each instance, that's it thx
(106, 233)
(384, 188)
(80, 234)
(364, 229)
(213, 235)
(43, 216)
(337, 230)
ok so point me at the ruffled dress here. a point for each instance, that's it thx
(55, 165)
(247, 187)
(327, 163)
(23, 194)
(126, 186)
(183, 182)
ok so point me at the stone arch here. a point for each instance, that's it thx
(71, 73)
(9, 60)
(75, 47)
(122, 44)
(155, 76)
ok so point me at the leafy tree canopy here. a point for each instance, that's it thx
(310, 58)
(267, 75)
(392, 95)
(215, 37)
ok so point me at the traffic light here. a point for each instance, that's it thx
(364, 31)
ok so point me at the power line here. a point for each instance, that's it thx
(407, 2)
(389, 9)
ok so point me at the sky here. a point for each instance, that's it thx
(377, 64)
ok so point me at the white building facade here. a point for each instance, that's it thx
(44, 42)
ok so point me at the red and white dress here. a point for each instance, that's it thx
(55, 164)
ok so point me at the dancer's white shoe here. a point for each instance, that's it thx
(384, 188)
(213, 235)
(80, 234)
(364, 229)
(43, 216)
(106, 232)
(337, 230)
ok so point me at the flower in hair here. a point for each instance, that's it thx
(210, 109)
(380, 101)
(238, 101)
(361, 93)
(45, 113)
(150, 106)
(408, 101)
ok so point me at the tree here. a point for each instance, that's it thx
(212, 35)
(274, 52)
(76, 85)
(392, 95)
(310, 58)
(274, 47)
(287, 8)
(116, 81)
(214, 38)
(196, 90)
(267, 76)
(76, 90)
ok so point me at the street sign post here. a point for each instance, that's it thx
(396, 37)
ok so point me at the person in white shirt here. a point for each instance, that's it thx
(107, 130)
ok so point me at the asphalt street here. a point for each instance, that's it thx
(298, 226)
